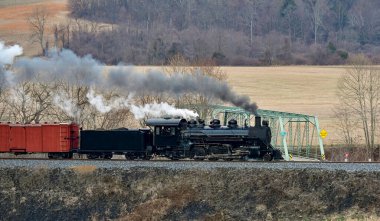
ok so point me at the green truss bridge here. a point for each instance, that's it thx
(296, 135)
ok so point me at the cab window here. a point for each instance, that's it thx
(165, 131)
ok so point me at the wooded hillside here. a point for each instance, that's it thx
(232, 32)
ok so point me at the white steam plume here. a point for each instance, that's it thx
(160, 110)
(8, 53)
(97, 100)
(147, 110)
(67, 105)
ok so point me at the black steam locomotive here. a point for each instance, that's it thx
(179, 138)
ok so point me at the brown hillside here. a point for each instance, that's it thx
(14, 27)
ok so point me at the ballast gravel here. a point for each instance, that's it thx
(186, 165)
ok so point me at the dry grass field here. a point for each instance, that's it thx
(298, 89)
(14, 27)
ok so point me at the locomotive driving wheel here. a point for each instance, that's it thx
(91, 156)
(198, 153)
(108, 156)
(267, 157)
(130, 156)
(213, 158)
(146, 157)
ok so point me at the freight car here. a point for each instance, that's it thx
(59, 140)
(169, 137)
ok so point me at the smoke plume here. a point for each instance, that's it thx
(7, 55)
(102, 106)
(62, 65)
(139, 111)
(67, 105)
(158, 82)
(98, 102)
(66, 65)
(159, 110)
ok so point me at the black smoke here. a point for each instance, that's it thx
(67, 66)
(158, 82)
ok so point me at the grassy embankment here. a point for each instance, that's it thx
(85, 192)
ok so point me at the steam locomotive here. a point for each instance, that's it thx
(173, 138)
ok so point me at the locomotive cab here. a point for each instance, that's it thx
(167, 132)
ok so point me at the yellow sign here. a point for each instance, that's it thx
(323, 157)
(290, 157)
(323, 133)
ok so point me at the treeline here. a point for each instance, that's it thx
(231, 32)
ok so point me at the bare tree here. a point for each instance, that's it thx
(62, 34)
(76, 95)
(359, 92)
(3, 103)
(340, 10)
(287, 12)
(316, 12)
(38, 22)
(28, 102)
(115, 118)
(347, 125)
(199, 102)
(2, 91)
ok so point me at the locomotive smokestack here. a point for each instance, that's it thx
(257, 121)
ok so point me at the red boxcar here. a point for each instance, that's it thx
(58, 139)
(4, 137)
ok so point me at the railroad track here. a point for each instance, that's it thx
(187, 164)
(140, 160)
(188, 160)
